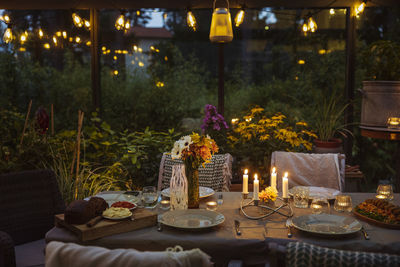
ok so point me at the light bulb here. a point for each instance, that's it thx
(77, 39)
(191, 20)
(359, 9)
(312, 25)
(305, 27)
(239, 18)
(138, 13)
(332, 11)
(6, 18)
(58, 34)
(46, 46)
(87, 24)
(8, 36)
(23, 37)
(127, 25)
(115, 72)
(120, 22)
(41, 34)
(55, 40)
(64, 34)
(77, 20)
(88, 43)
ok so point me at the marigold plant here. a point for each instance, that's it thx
(269, 193)
(255, 136)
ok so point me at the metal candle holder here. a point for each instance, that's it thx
(270, 210)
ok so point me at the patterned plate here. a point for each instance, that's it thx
(203, 191)
(192, 218)
(326, 224)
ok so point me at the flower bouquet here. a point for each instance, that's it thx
(194, 150)
(268, 195)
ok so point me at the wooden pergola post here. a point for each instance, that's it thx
(95, 58)
(350, 79)
(221, 93)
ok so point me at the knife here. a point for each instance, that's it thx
(237, 225)
(288, 225)
(94, 221)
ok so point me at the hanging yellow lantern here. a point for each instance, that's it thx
(78, 22)
(359, 9)
(312, 25)
(8, 35)
(221, 25)
(23, 37)
(87, 24)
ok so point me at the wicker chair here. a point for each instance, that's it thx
(217, 174)
(29, 200)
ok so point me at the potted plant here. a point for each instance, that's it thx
(328, 123)
(381, 90)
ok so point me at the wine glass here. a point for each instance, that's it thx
(149, 196)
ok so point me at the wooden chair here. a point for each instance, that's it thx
(29, 200)
(217, 174)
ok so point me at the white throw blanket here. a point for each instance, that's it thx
(60, 254)
(308, 169)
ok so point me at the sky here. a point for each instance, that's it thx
(156, 20)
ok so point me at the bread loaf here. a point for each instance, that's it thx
(100, 205)
(80, 212)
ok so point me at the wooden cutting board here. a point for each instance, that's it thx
(142, 218)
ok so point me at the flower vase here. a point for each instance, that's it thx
(178, 188)
(192, 176)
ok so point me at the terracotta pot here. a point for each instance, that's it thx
(333, 145)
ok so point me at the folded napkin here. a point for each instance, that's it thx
(308, 169)
(60, 254)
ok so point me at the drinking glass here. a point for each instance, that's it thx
(385, 191)
(300, 197)
(320, 205)
(149, 196)
(343, 203)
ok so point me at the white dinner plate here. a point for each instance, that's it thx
(192, 219)
(315, 191)
(203, 191)
(326, 224)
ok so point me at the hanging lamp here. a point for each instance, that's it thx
(221, 25)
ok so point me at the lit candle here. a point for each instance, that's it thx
(245, 182)
(165, 204)
(381, 196)
(285, 186)
(273, 178)
(255, 187)
(316, 208)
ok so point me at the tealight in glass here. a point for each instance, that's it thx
(211, 205)
(320, 205)
(393, 123)
(384, 191)
(343, 203)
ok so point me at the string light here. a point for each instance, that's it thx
(120, 23)
(360, 8)
(5, 18)
(88, 43)
(301, 62)
(137, 12)
(115, 72)
(41, 34)
(55, 40)
(191, 20)
(58, 34)
(160, 84)
(309, 26)
(87, 24)
(8, 35)
(23, 37)
(46, 46)
(64, 34)
(239, 18)
(77, 39)
(141, 64)
(78, 22)
(332, 11)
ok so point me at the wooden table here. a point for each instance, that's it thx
(223, 245)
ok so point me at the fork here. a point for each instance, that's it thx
(366, 236)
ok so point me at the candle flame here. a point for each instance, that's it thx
(255, 177)
(286, 174)
(273, 170)
(246, 171)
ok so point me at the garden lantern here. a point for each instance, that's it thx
(221, 25)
